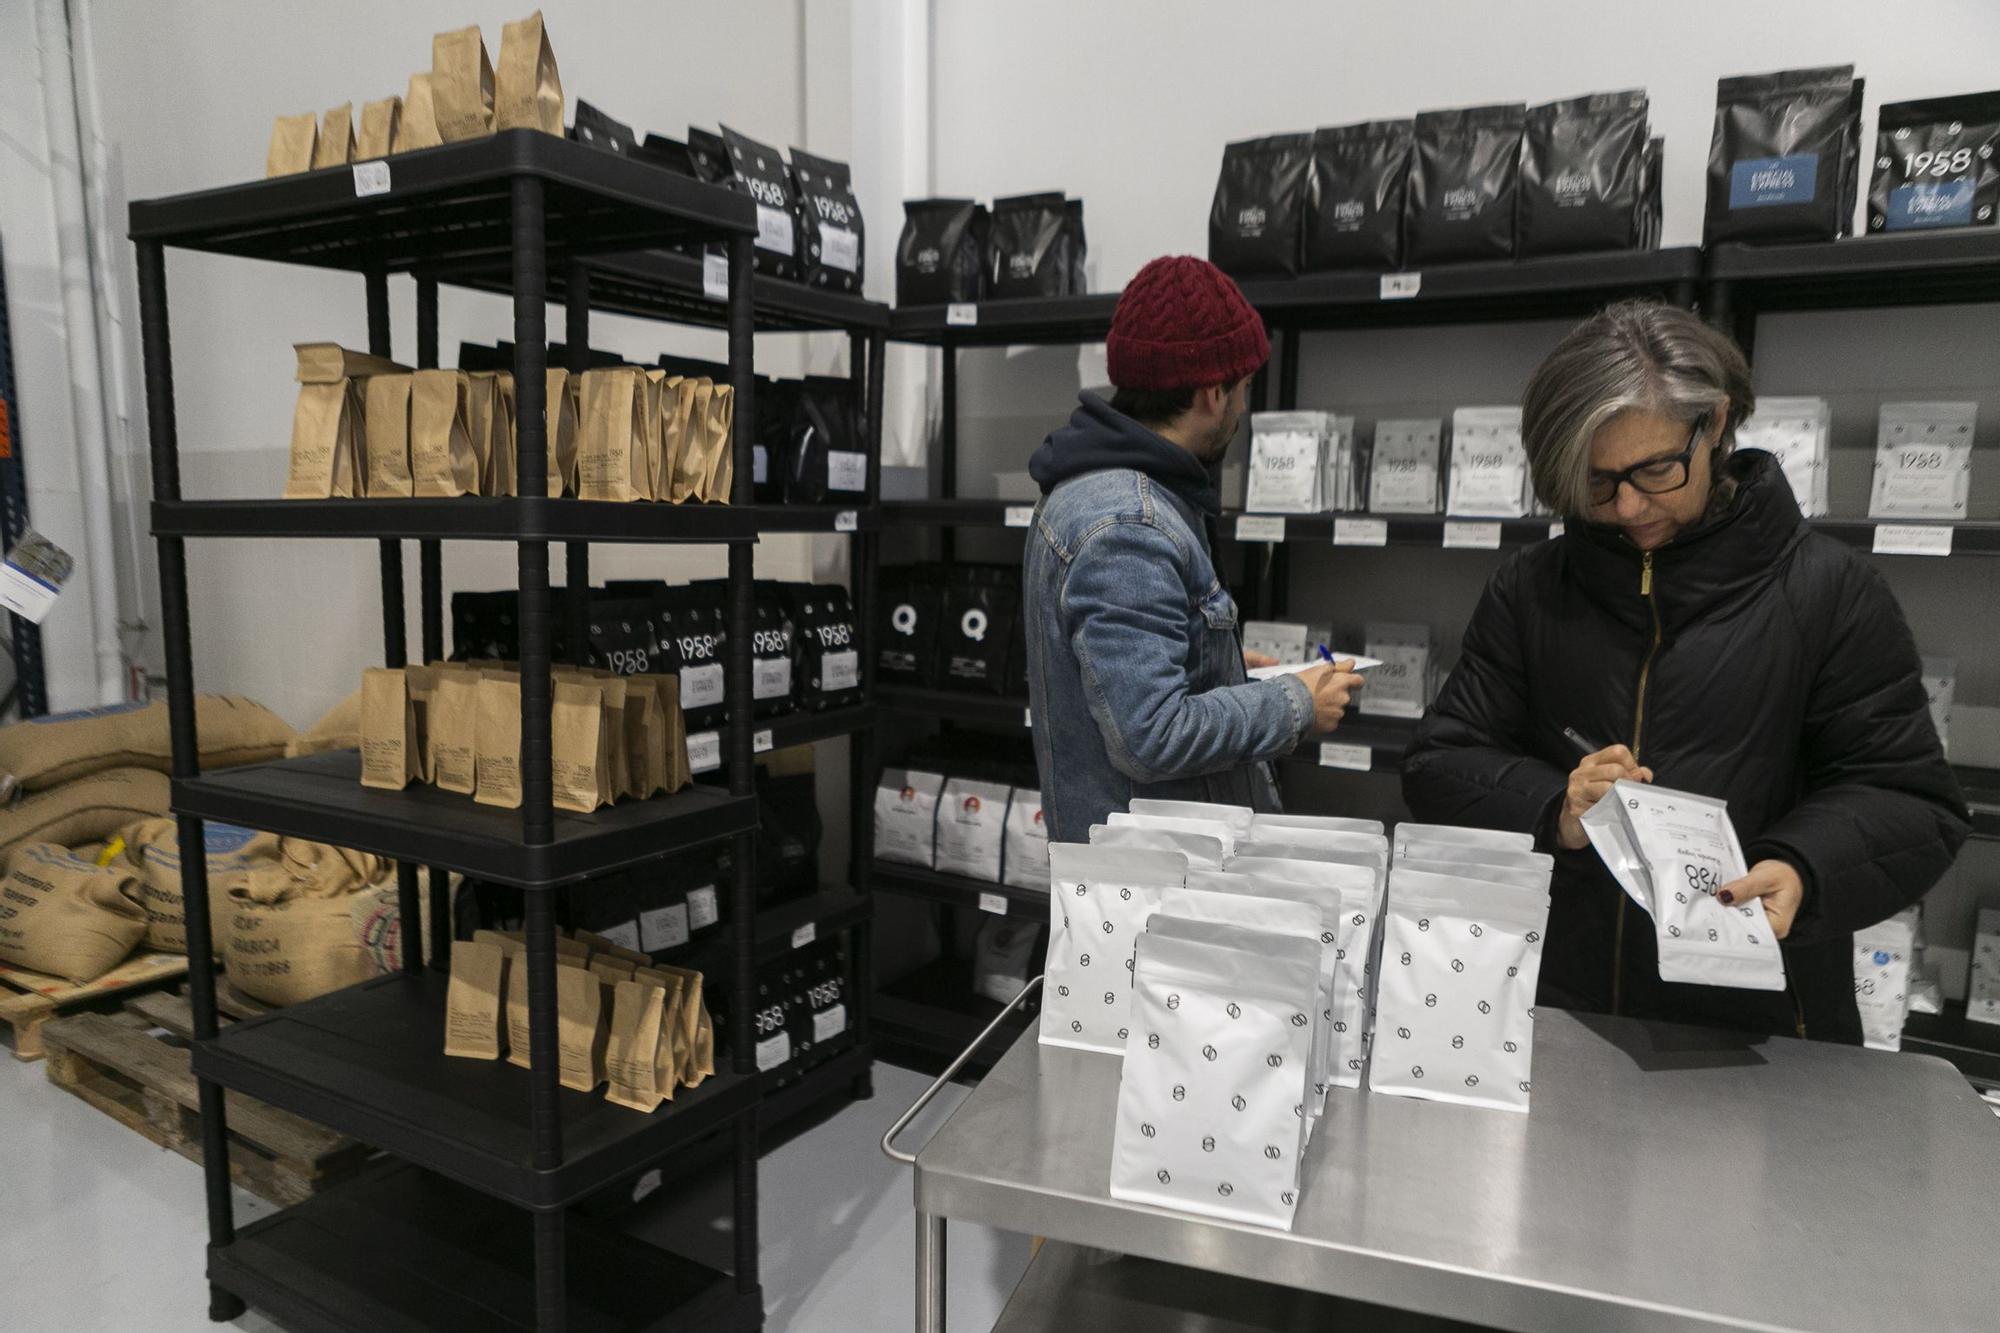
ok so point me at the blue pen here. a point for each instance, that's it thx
(1324, 655)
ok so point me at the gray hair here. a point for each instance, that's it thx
(1632, 356)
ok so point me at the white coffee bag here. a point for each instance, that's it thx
(1201, 850)
(1237, 817)
(1882, 957)
(971, 825)
(1099, 900)
(1489, 465)
(1025, 856)
(1213, 829)
(906, 802)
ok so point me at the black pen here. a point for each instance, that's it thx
(1576, 739)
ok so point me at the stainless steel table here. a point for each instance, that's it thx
(1668, 1178)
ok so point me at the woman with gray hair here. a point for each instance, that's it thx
(1694, 626)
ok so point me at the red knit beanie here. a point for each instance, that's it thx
(1183, 324)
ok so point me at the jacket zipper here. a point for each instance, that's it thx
(1638, 735)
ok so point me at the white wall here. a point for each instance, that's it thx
(1128, 103)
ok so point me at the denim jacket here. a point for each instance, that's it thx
(1135, 663)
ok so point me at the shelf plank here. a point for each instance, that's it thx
(460, 518)
(321, 797)
(369, 1062)
(1945, 266)
(804, 728)
(957, 705)
(449, 205)
(935, 1010)
(956, 890)
(399, 1250)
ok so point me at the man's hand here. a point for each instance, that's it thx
(1253, 659)
(1333, 686)
(1587, 785)
(1778, 884)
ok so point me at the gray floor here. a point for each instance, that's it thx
(105, 1231)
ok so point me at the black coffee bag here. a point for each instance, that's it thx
(907, 639)
(825, 463)
(1779, 161)
(1652, 215)
(834, 243)
(485, 626)
(1464, 178)
(1583, 175)
(709, 155)
(1257, 216)
(940, 256)
(694, 621)
(772, 651)
(672, 154)
(829, 661)
(777, 407)
(981, 603)
(1027, 247)
(624, 637)
(760, 172)
(601, 131)
(1079, 248)
(1934, 164)
(1355, 195)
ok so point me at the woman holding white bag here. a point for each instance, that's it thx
(1691, 624)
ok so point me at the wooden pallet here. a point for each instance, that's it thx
(29, 999)
(144, 1081)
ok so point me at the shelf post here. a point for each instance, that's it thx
(863, 749)
(157, 347)
(576, 555)
(394, 650)
(430, 583)
(948, 443)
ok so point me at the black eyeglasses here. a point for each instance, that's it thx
(1655, 477)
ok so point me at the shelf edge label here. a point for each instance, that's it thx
(1027, 717)
(996, 903)
(1401, 286)
(1356, 758)
(1260, 528)
(847, 520)
(1361, 532)
(1459, 535)
(1019, 516)
(371, 178)
(704, 751)
(805, 935)
(761, 741)
(961, 313)
(715, 276)
(1912, 539)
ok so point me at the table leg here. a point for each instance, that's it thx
(930, 1273)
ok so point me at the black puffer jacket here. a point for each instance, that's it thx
(1784, 681)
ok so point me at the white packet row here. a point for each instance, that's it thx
(1099, 900)
(1237, 817)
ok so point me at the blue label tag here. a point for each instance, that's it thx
(1925, 205)
(1760, 182)
(1881, 958)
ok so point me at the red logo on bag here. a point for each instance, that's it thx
(971, 806)
(909, 793)
(1038, 816)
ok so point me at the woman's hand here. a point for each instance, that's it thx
(1253, 659)
(1778, 884)
(1587, 785)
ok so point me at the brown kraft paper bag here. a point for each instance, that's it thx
(599, 945)
(479, 405)
(386, 434)
(330, 363)
(686, 1042)
(491, 423)
(294, 141)
(645, 737)
(722, 462)
(451, 740)
(667, 1055)
(581, 1027)
(422, 681)
(323, 444)
(676, 393)
(691, 460)
(499, 740)
(442, 461)
(517, 1004)
(527, 88)
(561, 432)
(474, 1021)
(461, 85)
(66, 916)
(416, 127)
(673, 757)
(336, 138)
(613, 970)
(377, 135)
(615, 773)
(611, 450)
(576, 749)
(391, 755)
(636, 1007)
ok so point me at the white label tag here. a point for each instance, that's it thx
(370, 178)
(1027, 717)
(701, 686)
(760, 741)
(1360, 532)
(1912, 539)
(774, 1051)
(830, 1023)
(1019, 516)
(996, 903)
(25, 595)
(961, 312)
(625, 934)
(663, 928)
(646, 1184)
(702, 911)
(839, 248)
(760, 464)
(771, 678)
(774, 229)
(1359, 758)
(1556, 529)
(846, 521)
(846, 471)
(805, 935)
(1472, 536)
(704, 752)
(1401, 286)
(840, 671)
(1260, 528)
(715, 276)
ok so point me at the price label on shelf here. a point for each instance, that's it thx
(1471, 536)
(715, 276)
(1260, 528)
(847, 520)
(1556, 529)
(1361, 532)
(761, 741)
(830, 1023)
(995, 903)
(1401, 286)
(1357, 758)
(1027, 717)
(646, 1185)
(704, 752)
(805, 935)
(1019, 516)
(370, 178)
(1912, 539)
(702, 911)
(961, 313)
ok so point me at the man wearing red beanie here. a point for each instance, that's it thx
(1135, 665)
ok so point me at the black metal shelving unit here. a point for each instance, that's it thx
(469, 1226)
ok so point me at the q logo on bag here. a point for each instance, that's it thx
(973, 625)
(904, 619)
